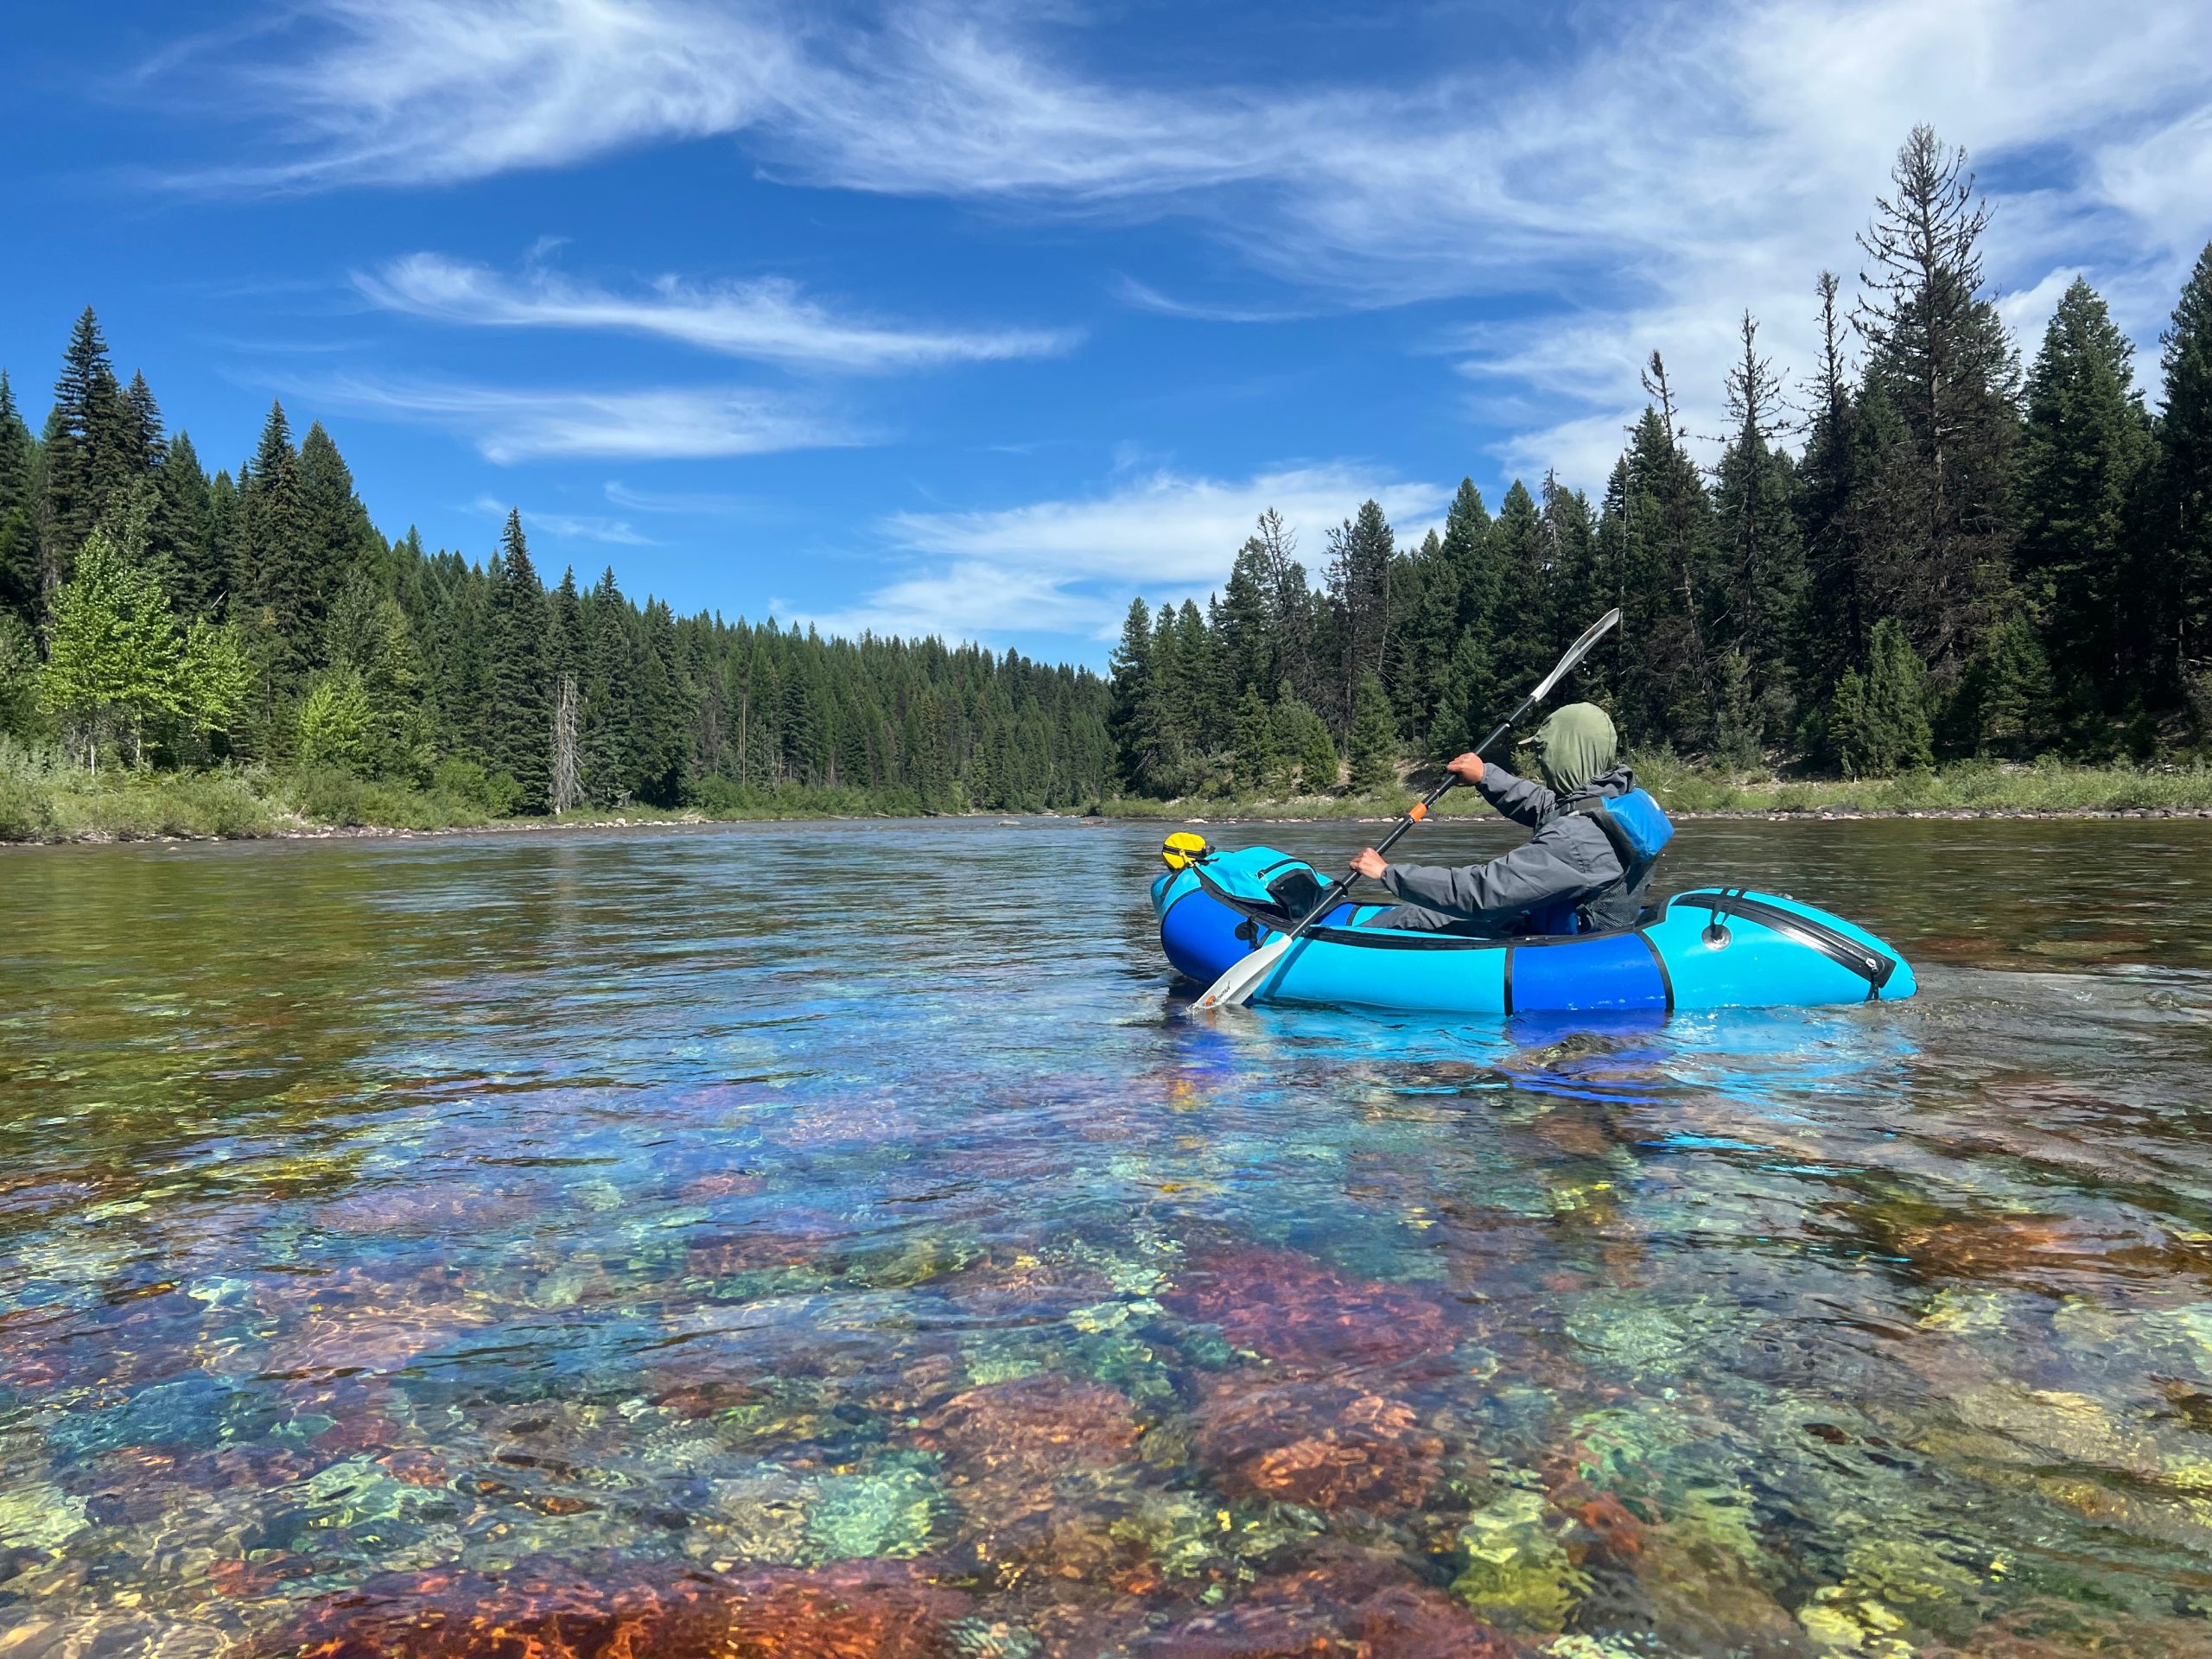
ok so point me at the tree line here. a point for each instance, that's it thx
(1917, 551)
(153, 615)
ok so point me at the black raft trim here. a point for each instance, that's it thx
(1659, 961)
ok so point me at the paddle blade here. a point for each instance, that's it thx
(1235, 987)
(1576, 652)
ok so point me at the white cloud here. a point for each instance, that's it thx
(695, 504)
(767, 319)
(569, 526)
(436, 90)
(656, 424)
(1658, 169)
(1070, 566)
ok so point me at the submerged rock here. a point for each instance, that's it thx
(547, 1611)
(1323, 1445)
(1517, 1571)
(1037, 1424)
(1306, 1315)
(1347, 1605)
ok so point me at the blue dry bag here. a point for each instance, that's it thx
(1643, 828)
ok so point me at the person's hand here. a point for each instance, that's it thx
(1467, 768)
(1370, 864)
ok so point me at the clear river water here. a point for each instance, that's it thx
(835, 1240)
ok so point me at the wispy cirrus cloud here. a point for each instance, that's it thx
(652, 423)
(569, 526)
(767, 319)
(1655, 168)
(690, 504)
(413, 92)
(1069, 565)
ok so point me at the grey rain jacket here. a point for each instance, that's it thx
(1569, 860)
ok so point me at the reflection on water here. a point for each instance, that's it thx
(834, 1241)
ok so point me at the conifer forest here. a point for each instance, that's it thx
(1929, 544)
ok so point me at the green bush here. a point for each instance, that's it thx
(465, 782)
(328, 795)
(26, 810)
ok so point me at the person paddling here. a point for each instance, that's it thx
(1585, 869)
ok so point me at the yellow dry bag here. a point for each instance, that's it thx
(1182, 849)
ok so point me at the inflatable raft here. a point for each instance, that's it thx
(1708, 948)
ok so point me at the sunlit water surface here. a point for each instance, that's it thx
(835, 1240)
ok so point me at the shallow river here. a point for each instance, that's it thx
(835, 1240)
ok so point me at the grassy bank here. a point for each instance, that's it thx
(1970, 787)
(43, 797)
(47, 796)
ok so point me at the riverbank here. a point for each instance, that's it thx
(41, 802)
(1969, 789)
(57, 803)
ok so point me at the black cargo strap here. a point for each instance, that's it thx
(1865, 961)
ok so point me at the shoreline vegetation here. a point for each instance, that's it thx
(47, 800)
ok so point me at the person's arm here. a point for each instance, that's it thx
(1522, 799)
(1525, 879)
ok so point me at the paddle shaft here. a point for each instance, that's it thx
(1343, 883)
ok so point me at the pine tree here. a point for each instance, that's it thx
(2005, 703)
(1374, 742)
(337, 540)
(1941, 524)
(277, 572)
(1132, 720)
(182, 530)
(662, 703)
(1258, 760)
(1242, 621)
(1302, 736)
(88, 449)
(19, 511)
(2183, 495)
(1760, 584)
(1832, 633)
(1290, 602)
(608, 776)
(1426, 631)
(1882, 725)
(518, 714)
(2084, 454)
(1361, 555)
(1521, 624)
(1659, 539)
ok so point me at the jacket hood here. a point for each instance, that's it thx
(1574, 746)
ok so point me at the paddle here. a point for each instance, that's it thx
(1235, 987)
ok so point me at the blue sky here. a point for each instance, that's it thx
(978, 319)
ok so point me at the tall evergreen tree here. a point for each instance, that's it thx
(1374, 742)
(1133, 705)
(145, 444)
(1942, 526)
(518, 710)
(2084, 456)
(1761, 580)
(90, 450)
(19, 511)
(1832, 635)
(1362, 553)
(277, 573)
(340, 542)
(184, 529)
(2184, 500)
(608, 676)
